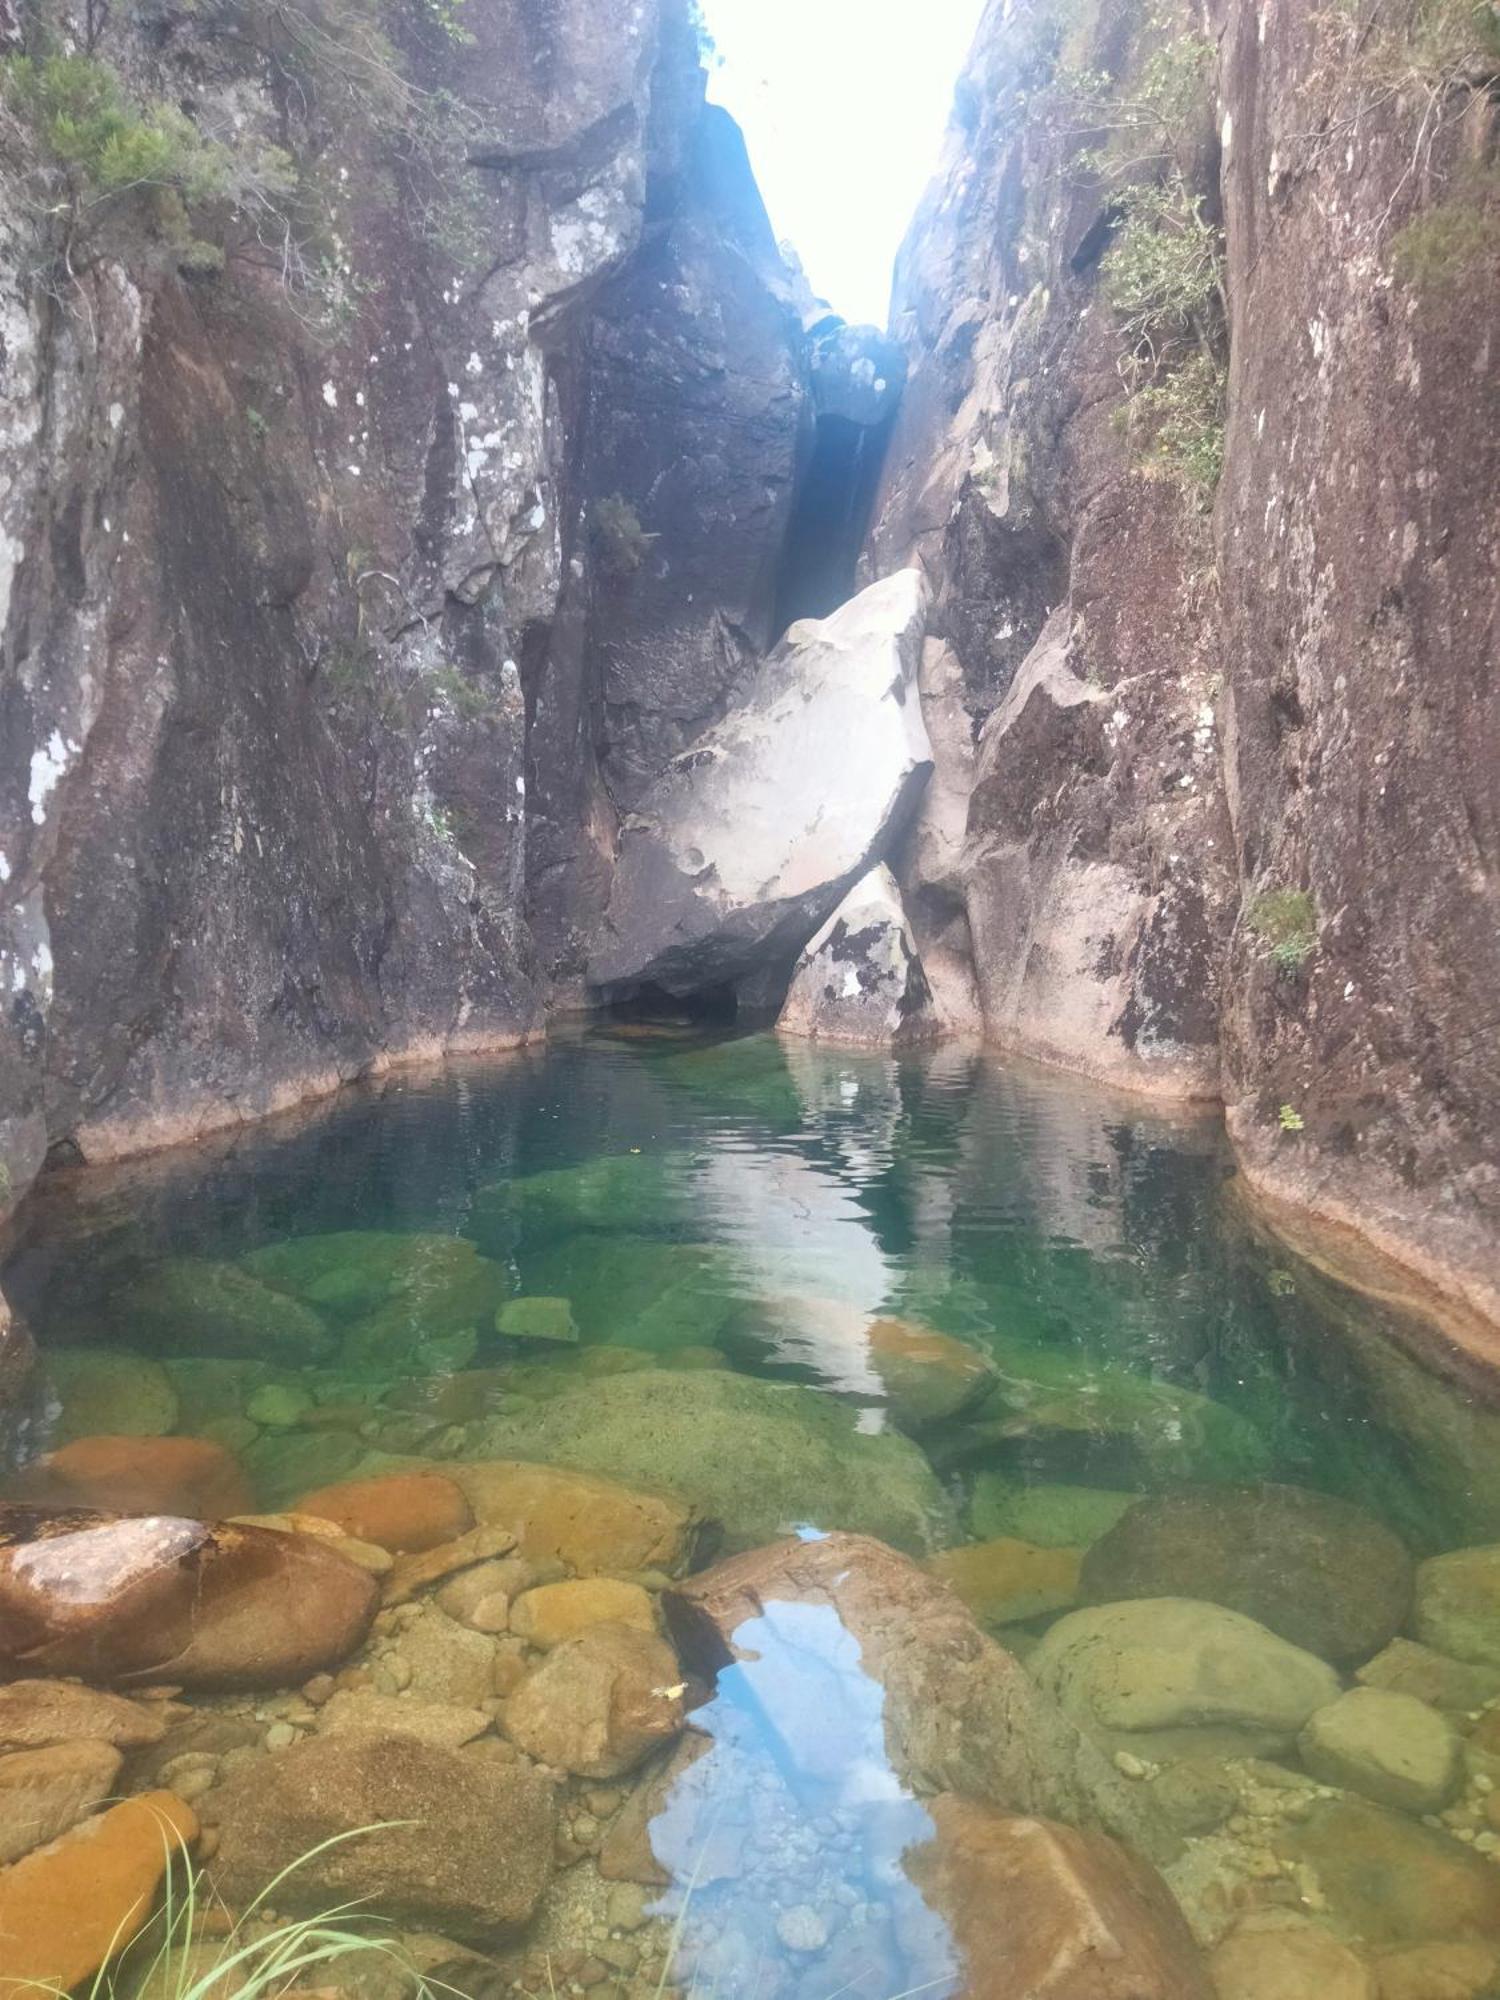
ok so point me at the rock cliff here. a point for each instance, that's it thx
(1200, 451)
(418, 464)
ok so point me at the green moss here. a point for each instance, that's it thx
(1439, 253)
(1286, 921)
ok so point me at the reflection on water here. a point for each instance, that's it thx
(785, 1836)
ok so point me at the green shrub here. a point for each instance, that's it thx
(1286, 922)
(623, 544)
(1290, 1119)
(1439, 250)
(80, 114)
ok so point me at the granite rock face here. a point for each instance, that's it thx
(750, 839)
(1232, 825)
(349, 594)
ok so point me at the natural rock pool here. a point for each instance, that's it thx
(700, 1414)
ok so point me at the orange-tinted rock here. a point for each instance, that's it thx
(36, 1713)
(68, 1907)
(44, 1792)
(553, 1612)
(138, 1475)
(959, 1709)
(411, 1574)
(589, 1523)
(406, 1512)
(162, 1598)
(1052, 1912)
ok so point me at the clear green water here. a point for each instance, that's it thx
(745, 1209)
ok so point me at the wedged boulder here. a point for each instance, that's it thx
(155, 1598)
(44, 1792)
(71, 1906)
(757, 1457)
(957, 1710)
(860, 978)
(1052, 1912)
(599, 1703)
(1318, 1571)
(191, 1305)
(1169, 1663)
(454, 1844)
(749, 839)
(137, 1475)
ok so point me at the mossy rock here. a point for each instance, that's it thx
(640, 1194)
(761, 1458)
(1058, 1409)
(636, 1291)
(549, 1320)
(401, 1300)
(1049, 1513)
(191, 1305)
(104, 1390)
(210, 1390)
(285, 1464)
(747, 1076)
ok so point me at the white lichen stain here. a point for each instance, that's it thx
(47, 766)
(330, 395)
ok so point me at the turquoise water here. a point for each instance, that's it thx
(734, 1196)
(944, 1300)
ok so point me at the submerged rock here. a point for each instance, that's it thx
(1406, 1667)
(1316, 1570)
(638, 1290)
(618, 1193)
(749, 839)
(398, 1298)
(1170, 1662)
(577, 1518)
(137, 1475)
(1390, 1881)
(549, 1320)
(105, 1390)
(922, 1376)
(68, 1908)
(1006, 1581)
(599, 1703)
(758, 1457)
(163, 1598)
(860, 978)
(552, 1612)
(1458, 1604)
(1283, 1956)
(194, 1306)
(957, 1710)
(1053, 1406)
(452, 1843)
(1392, 1748)
(44, 1792)
(1052, 1912)
(404, 1512)
(1051, 1514)
(34, 1713)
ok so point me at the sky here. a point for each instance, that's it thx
(843, 103)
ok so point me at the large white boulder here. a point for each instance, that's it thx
(749, 840)
(860, 978)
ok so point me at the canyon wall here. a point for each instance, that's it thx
(1200, 449)
(400, 417)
